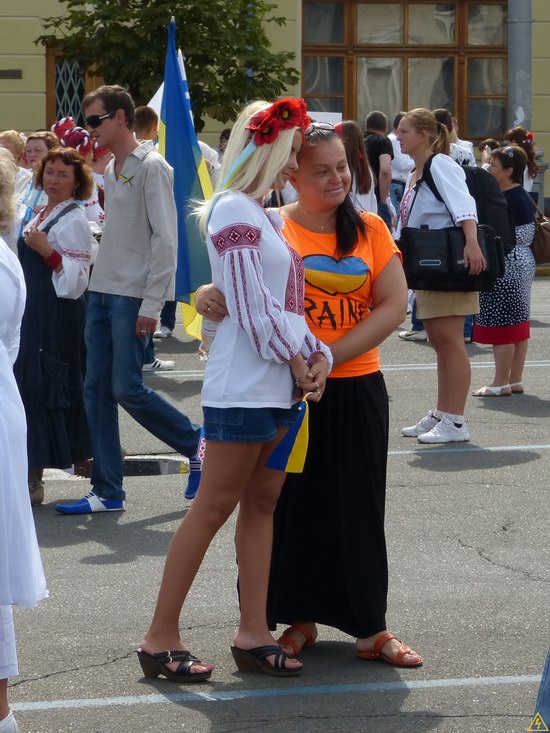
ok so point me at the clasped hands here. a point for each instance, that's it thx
(311, 379)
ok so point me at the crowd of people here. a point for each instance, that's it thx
(307, 282)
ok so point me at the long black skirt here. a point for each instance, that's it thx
(329, 562)
(48, 370)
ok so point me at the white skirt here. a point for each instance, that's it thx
(22, 581)
(8, 657)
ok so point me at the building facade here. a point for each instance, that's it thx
(488, 62)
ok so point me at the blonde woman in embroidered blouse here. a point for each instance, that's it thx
(421, 136)
(262, 351)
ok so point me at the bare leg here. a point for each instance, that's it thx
(232, 472)
(453, 366)
(504, 356)
(226, 471)
(254, 540)
(4, 707)
(518, 362)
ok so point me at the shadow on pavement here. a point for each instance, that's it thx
(523, 405)
(443, 461)
(272, 704)
(124, 542)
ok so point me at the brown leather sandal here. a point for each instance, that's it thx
(286, 640)
(376, 652)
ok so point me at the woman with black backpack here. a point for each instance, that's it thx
(426, 140)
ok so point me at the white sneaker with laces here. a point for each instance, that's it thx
(413, 335)
(423, 426)
(163, 333)
(159, 366)
(445, 432)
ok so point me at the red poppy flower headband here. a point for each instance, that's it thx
(265, 127)
(282, 115)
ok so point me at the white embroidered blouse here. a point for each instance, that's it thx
(450, 181)
(72, 238)
(262, 279)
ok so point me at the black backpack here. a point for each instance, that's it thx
(491, 204)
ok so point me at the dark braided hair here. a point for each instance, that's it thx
(349, 222)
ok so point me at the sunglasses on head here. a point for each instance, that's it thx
(314, 126)
(96, 120)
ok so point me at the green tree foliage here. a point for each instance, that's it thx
(227, 53)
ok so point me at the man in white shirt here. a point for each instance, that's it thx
(133, 275)
(401, 165)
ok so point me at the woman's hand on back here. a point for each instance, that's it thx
(210, 303)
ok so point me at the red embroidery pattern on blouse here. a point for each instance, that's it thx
(236, 236)
(294, 295)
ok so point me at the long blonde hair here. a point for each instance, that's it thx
(8, 171)
(257, 174)
(424, 121)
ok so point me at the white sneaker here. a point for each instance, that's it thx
(163, 333)
(159, 366)
(426, 424)
(445, 432)
(413, 335)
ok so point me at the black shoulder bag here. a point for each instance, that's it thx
(433, 259)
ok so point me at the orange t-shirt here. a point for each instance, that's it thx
(338, 289)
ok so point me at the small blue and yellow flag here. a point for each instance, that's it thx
(178, 144)
(290, 454)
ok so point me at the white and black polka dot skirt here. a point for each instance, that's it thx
(508, 305)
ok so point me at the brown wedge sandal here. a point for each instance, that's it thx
(255, 660)
(155, 664)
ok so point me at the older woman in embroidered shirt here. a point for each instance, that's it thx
(55, 253)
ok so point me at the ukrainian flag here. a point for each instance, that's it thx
(179, 145)
(290, 454)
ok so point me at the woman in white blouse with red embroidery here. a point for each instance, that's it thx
(55, 254)
(263, 359)
(424, 139)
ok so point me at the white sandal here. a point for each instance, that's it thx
(504, 390)
(519, 387)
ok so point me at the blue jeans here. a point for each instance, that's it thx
(113, 377)
(397, 189)
(168, 314)
(543, 699)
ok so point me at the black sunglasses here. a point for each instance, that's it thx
(96, 120)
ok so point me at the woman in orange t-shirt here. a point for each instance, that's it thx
(329, 561)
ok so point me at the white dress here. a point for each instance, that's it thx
(22, 581)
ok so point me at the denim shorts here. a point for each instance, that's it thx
(246, 424)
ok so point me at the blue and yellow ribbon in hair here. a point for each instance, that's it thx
(290, 454)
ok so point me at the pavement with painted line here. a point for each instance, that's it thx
(469, 574)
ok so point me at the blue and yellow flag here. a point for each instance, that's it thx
(290, 454)
(179, 145)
